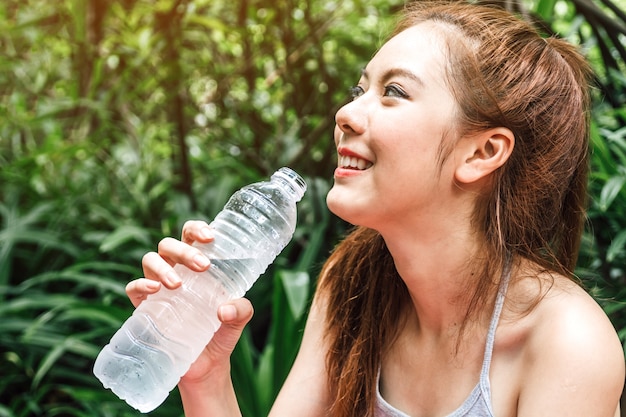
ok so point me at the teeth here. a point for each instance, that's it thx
(354, 163)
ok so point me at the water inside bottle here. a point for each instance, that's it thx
(248, 264)
(237, 272)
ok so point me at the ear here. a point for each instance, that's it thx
(480, 155)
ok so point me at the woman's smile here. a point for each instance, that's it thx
(352, 162)
(349, 159)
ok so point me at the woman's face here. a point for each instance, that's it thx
(389, 137)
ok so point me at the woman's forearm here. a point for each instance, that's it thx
(209, 399)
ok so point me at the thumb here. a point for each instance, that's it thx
(234, 316)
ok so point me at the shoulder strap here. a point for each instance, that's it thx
(495, 318)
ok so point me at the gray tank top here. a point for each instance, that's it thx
(478, 404)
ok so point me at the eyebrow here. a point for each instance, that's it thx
(396, 72)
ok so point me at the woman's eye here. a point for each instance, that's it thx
(356, 92)
(395, 91)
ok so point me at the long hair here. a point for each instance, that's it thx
(502, 74)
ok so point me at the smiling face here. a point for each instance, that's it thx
(389, 138)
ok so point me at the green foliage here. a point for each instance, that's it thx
(603, 257)
(121, 119)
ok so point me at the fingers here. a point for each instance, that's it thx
(139, 289)
(236, 313)
(234, 316)
(158, 266)
(196, 231)
(174, 251)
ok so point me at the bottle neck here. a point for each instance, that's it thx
(291, 181)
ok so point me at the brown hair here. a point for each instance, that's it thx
(503, 74)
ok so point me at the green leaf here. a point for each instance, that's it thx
(296, 285)
(243, 375)
(610, 191)
(545, 9)
(265, 378)
(617, 246)
(47, 363)
(207, 22)
(613, 307)
(82, 279)
(6, 411)
(124, 234)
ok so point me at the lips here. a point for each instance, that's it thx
(353, 162)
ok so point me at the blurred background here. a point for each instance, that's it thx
(121, 119)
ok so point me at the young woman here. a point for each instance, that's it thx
(463, 160)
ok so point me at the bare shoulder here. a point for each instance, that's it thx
(568, 318)
(573, 359)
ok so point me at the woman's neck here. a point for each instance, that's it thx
(439, 275)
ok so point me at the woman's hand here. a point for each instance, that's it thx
(158, 266)
(211, 371)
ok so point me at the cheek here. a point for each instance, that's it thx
(412, 146)
(337, 134)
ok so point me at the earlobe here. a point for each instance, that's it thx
(484, 153)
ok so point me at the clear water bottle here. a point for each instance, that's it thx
(147, 356)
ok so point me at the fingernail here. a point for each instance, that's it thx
(206, 233)
(172, 278)
(152, 285)
(201, 261)
(228, 313)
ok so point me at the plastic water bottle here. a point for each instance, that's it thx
(147, 356)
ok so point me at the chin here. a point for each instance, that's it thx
(344, 207)
(337, 203)
(333, 201)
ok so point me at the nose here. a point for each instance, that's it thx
(351, 119)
